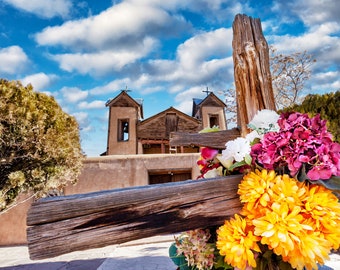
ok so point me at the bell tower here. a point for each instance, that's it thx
(124, 114)
(211, 111)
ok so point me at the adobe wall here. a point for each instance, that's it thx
(129, 146)
(99, 173)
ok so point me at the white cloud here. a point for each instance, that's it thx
(314, 12)
(96, 104)
(326, 81)
(199, 60)
(39, 81)
(119, 26)
(73, 94)
(43, 8)
(111, 87)
(82, 117)
(83, 121)
(13, 60)
(320, 41)
(102, 62)
(184, 98)
(212, 10)
(207, 45)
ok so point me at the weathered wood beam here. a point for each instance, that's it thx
(60, 225)
(252, 76)
(211, 139)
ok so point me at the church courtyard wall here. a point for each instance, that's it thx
(99, 173)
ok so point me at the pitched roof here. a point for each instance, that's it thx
(125, 100)
(170, 109)
(209, 100)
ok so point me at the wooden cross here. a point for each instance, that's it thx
(207, 91)
(60, 225)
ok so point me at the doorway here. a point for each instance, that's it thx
(169, 175)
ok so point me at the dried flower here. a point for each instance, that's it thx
(197, 250)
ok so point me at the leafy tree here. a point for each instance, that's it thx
(289, 74)
(327, 106)
(40, 146)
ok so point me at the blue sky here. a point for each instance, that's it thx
(167, 52)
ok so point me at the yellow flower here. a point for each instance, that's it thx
(323, 207)
(298, 221)
(235, 241)
(310, 250)
(280, 229)
(288, 190)
(256, 188)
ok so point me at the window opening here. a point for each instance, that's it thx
(213, 120)
(123, 130)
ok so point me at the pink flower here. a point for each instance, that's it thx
(207, 160)
(300, 141)
(208, 153)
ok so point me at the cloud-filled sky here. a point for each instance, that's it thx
(167, 52)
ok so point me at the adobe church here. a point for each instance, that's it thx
(128, 133)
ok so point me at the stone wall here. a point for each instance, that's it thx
(99, 173)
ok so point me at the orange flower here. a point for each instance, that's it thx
(288, 190)
(235, 241)
(323, 207)
(256, 188)
(280, 228)
(298, 221)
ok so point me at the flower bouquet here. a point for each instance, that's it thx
(291, 211)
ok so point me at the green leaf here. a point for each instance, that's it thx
(237, 164)
(220, 264)
(251, 126)
(302, 176)
(210, 129)
(178, 260)
(333, 183)
(248, 159)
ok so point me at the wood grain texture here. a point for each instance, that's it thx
(252, 76)
(60, 225)
(211, 139)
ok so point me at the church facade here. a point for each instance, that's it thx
(129, 133)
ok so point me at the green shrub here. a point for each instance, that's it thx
(39, 143)
(327, 105)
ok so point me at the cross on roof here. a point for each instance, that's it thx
(126, 89)
(207, 91)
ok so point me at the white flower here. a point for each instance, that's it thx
(265, 121)
(236, 149)
(226, 163)
(250, 137)
(213, 173)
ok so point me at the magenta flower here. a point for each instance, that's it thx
(207, 160)
(208, 153)
(301, 142)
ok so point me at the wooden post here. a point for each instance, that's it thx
(59, 225)
(251, 70)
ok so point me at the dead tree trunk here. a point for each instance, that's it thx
(251, 70)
